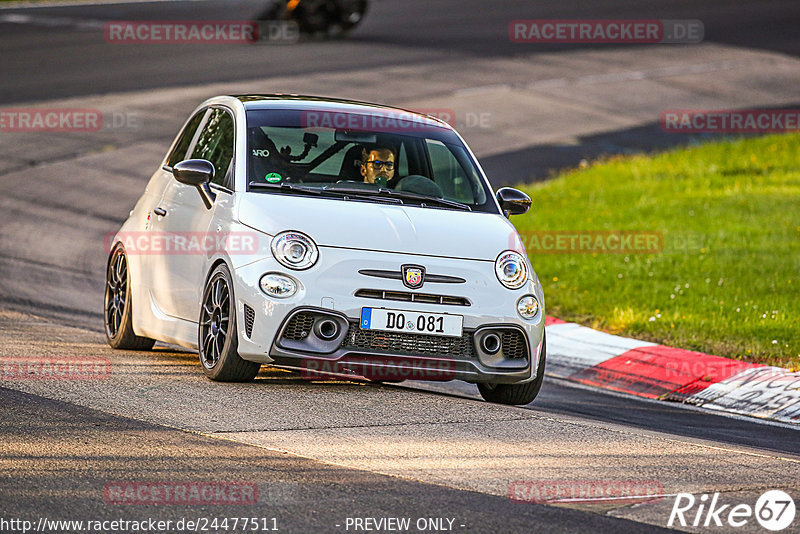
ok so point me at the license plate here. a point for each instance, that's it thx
(436, 324)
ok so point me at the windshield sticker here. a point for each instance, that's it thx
(273, 177)
(260, 153)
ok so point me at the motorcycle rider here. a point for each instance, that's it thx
(318, 17)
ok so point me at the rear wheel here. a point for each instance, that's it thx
(118, 313)
(516, 394)
(218, 339)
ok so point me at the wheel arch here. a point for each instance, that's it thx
(214, 264)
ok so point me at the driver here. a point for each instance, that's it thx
(377, 165)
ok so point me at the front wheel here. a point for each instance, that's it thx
(516, 394)
(217, 336)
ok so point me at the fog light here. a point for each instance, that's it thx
(528, 307)
(278, 286)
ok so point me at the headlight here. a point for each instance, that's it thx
(511, 269)
(294, 250)
(528, 307)
(278, 285)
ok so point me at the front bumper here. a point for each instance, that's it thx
(390, 356)
(334, 288)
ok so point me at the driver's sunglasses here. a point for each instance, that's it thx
(377, 164)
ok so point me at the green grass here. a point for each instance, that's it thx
(727, 281)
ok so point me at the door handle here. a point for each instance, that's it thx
(161, 212)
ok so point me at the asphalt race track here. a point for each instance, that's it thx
(322, 452)
(53, 58)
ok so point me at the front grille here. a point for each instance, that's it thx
(407, 296)
(514, 345)
(249, 319)
(411, 344)
(299, 326)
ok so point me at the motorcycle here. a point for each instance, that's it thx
(318, 18)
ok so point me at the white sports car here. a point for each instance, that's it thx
(333, 237)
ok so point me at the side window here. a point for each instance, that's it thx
(448, 173)
(215, 144)
(178, 154)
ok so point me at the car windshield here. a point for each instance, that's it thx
(382, 157)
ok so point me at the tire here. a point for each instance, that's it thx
(516, 394)
(218, 340)
(117, 309)
(350, 14)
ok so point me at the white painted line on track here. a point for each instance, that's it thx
(680, 405)
(80, 3)
(630, 75)
(53, 22)
(483, 89)
(456, 389)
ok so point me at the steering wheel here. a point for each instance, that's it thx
(359, 185)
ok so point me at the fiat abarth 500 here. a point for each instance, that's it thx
(334, 238)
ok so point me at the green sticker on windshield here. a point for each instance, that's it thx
(273, 177)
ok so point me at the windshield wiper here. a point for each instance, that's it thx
(424, 199)
(382, 194)
(346, 194)
(292, 188)
(358, 194)
(361, 194)
(386, 193)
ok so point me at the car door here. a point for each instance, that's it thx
(155, 192)
(184, 222)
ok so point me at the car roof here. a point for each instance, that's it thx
(318, 103)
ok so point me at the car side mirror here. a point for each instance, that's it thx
(513, 201)
(197, 173)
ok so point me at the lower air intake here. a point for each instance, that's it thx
(249, 320)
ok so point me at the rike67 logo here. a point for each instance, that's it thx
(774, 510)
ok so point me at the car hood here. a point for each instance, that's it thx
(380, 227)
